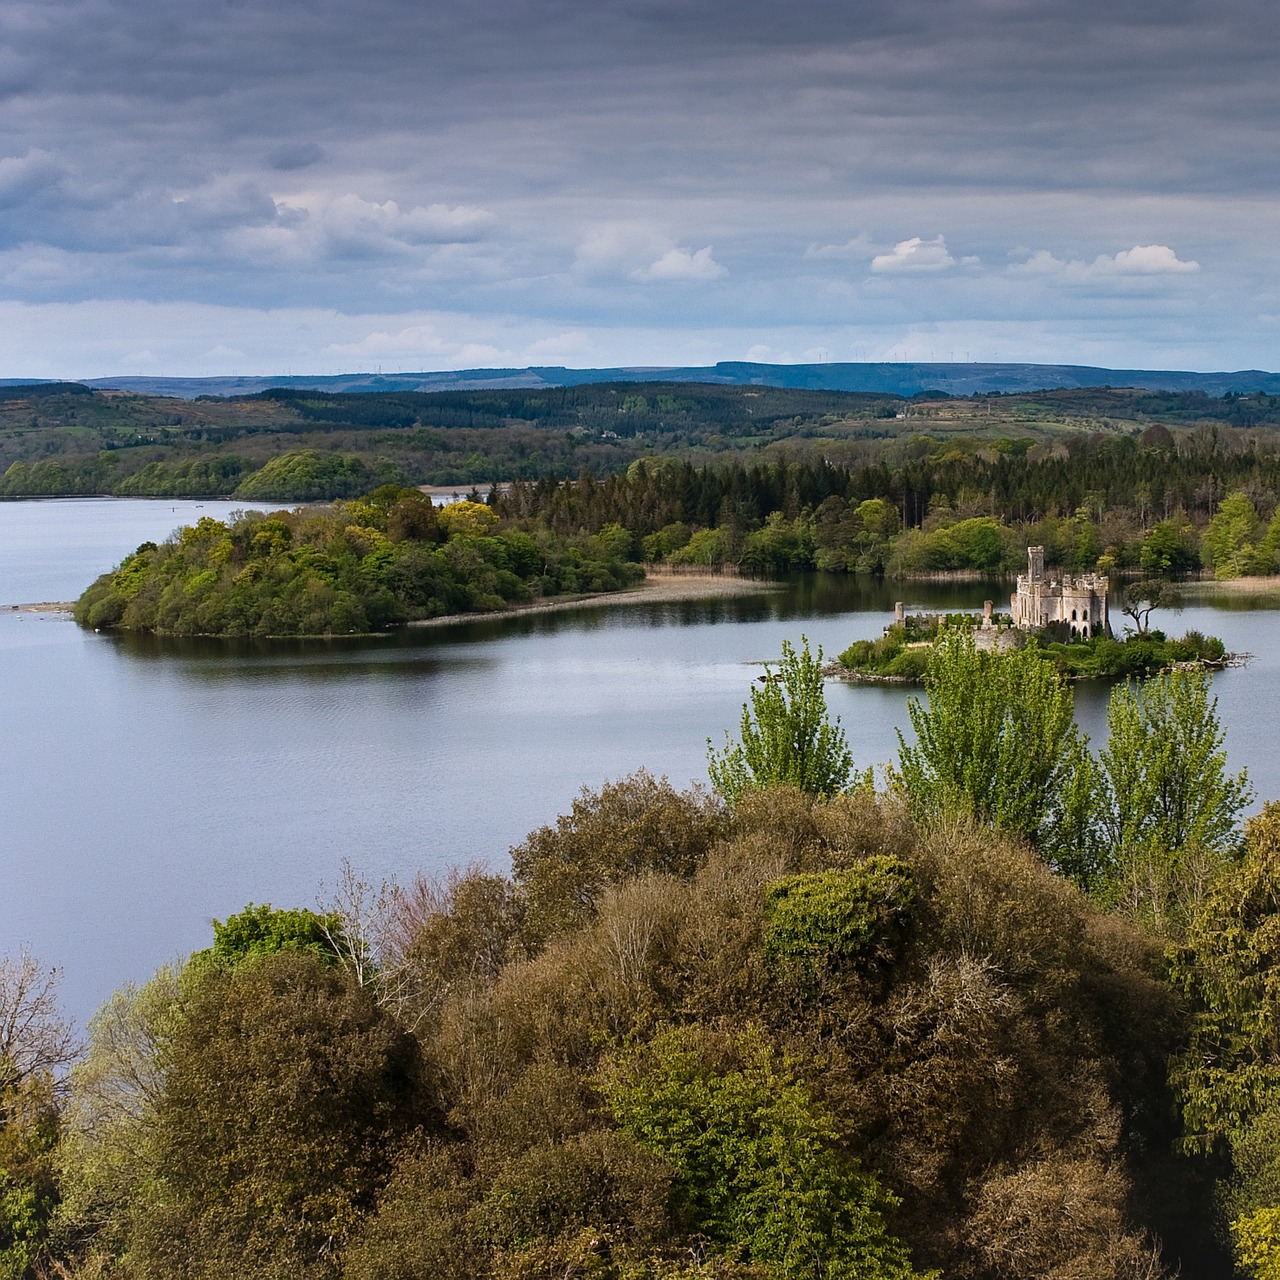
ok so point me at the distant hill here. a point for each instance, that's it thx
(904, 379)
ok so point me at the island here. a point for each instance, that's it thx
(1067, 617)
(349, 568)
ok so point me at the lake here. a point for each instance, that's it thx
(147, 787)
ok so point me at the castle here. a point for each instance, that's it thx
(1079, 603)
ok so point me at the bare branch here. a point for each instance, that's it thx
(35, 1039)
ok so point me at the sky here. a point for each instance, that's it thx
(201, 187)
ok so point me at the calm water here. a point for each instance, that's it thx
(148, 787)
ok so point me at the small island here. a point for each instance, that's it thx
(350, 568)
(1067, 618)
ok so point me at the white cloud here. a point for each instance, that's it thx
(681, 264)
(419, 342)
(638, 252)
(917, 254)
(1141, 260)
(1149, 260)
(615, 248)
(312, 226)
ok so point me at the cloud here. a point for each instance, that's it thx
(295, 155)
(23, 176)
(856, 248)
(1148, 260)
(422, 342)
(917, 254)
(637, 251)
(560, 346)
(1141, 260)
(681, 264)
(614, 248)
(569, 168)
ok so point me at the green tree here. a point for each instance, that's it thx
(757, 1160)
(1168, 810)
(997, 740)
(1168, 550)
(262, 930)
(786, 735)
(1233, 537)
(1227, 1080)
(1141, 599)
(284, 1093)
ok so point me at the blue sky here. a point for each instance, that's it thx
(318, 186)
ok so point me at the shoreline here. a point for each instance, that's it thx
(1254, 586)
(659, 588)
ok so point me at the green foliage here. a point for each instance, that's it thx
(1169, 550)
(1231, 541)
(831, 919)
(626, 829)
(1168, 809)
(1102, 658)
(355, 567)
(307, 476)
(757, 1160)
(265, 930)
(997, 740)
(285, 1089)
(1228, 968)
(897, 655)
(1257, 1241)
(785, 734)
(1228, 1078)
(29, 1193)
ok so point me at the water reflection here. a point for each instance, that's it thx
(801, 597)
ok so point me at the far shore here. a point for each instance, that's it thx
(1258, 586)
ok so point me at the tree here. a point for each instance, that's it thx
(786, 735)
(757, 1159)
(997, 740)
(1232, 539)
(35, 1039)
(35, 1043)
(1168, 810)
(1228, 1079)
(1141, 599)
(285, 1093)
(630, 827)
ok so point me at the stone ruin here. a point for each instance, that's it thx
(1078, 602)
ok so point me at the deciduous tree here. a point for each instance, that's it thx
(786, 735)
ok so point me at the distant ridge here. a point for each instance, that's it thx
(893, 378)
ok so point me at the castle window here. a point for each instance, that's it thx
(1073, 617)
(1085, 615)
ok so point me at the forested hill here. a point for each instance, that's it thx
(66, 439)
(896, 378)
